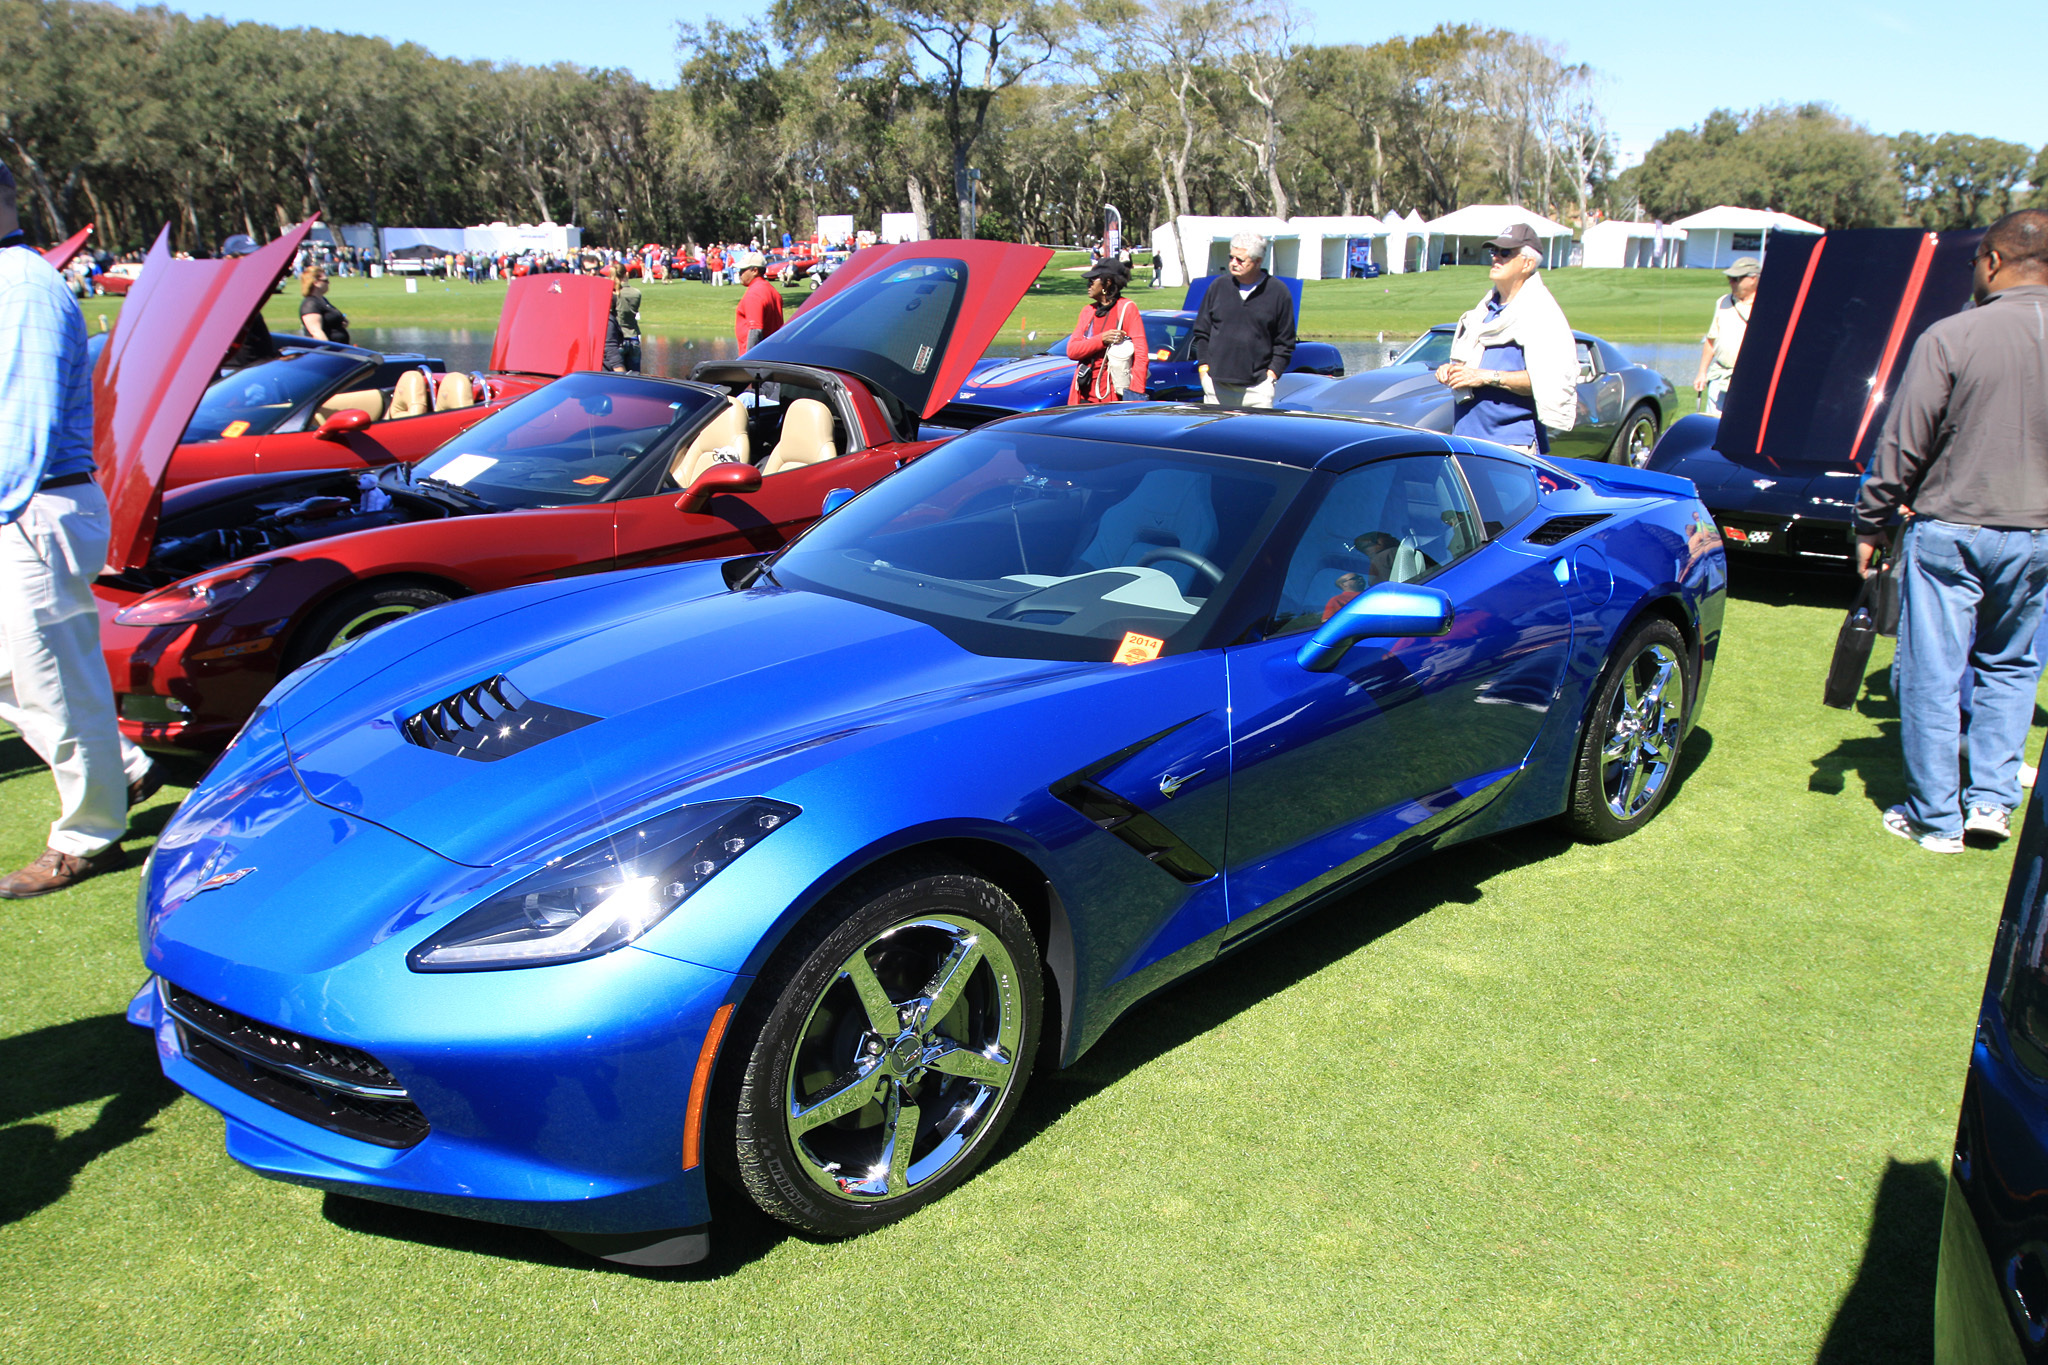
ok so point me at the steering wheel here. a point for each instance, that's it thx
(1194, 561)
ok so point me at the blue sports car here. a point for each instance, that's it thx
(539, 906)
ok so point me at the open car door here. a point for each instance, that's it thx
(175, 326)
(910, 319)
(552, 325)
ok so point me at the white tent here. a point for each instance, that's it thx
(490, 238)
(1191, 246)
(1716, 236)
(1615, 244)
(1463, 235)
(899, 227)
(1325, 243)
(1408, 244)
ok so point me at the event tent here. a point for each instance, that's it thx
(1325, 242)
(1615, 245)
(1716, 236)
(489, 238)
(1462, 236)
(1192, 246)
(1407, 244)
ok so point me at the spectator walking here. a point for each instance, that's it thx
(1108, 340)
(1964, 454)
(625, 326)
(1724, 335)
(1243, 333)
(54, 688)
(1514, 364)
(319, 317)
(759, 315)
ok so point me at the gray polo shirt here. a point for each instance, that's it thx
(1966, 440)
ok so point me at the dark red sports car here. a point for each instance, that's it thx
(216, 590)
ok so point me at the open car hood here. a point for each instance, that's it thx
(912, 329)
(1834, 319)
(60, 255)
(552, 325)
(175, 326)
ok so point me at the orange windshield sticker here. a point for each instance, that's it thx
(234, 429)
(1136, 648)
(593, 478)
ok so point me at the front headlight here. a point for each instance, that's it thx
(605, 895)
(194, 599)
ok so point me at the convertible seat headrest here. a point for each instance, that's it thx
(724, 441)
(409, 396)
(806, 437)
(455, 392)
(368, 400)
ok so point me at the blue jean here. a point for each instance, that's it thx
(1959, 580)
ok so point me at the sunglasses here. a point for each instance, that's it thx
(1502, 253)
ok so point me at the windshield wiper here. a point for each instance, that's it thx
(443, 486)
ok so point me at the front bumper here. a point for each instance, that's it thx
(186, 687)
(1819, 541)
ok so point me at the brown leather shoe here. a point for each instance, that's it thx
(53, 872)
(144, 787)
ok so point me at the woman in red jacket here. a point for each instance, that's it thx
(1109, 339)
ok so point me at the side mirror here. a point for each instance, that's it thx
(344, 423)
(835, 500)
(720, 478)
(1385, 609)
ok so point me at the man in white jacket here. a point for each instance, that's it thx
(1514, 365)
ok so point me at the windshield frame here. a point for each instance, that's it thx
(1416, 345)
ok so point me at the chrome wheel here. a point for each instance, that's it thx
(1644, 723)
(904, 1057)
(1637, 439)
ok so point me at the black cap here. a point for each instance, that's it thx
(1109, 268)
(1515, 237)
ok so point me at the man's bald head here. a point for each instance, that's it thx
(2021, 241)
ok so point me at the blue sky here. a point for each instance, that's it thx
(1890, 65)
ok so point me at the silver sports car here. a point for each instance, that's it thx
(1622, 405)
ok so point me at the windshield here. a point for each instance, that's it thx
(1431, 349)
(890, 329)
(566, 443)
(1168, 336)
(1032, 547)
(253, 401)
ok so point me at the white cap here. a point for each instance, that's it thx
(751, 260)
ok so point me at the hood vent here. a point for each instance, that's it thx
(1563, 528)
(490, 721)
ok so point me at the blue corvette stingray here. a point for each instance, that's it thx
(537, 906)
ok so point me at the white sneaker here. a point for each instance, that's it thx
(2028, 772)
(1898, 822)
(1991, 824)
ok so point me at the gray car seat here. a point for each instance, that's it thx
(1168, 507)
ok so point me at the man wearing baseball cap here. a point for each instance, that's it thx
(1514, 364)
(759, 315)
(1724, 335)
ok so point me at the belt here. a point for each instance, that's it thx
(63, 481)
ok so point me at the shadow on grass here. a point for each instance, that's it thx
(16, 758)
(1830, 587)
(1888, 1313)
(59, 1067)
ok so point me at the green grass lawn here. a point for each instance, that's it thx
(1621, 305)
(1682, 1098)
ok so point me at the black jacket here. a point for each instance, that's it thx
(1242, 338)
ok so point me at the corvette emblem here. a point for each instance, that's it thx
(220, 879)
(1170, 785)
(1764, 483)
(554, 289)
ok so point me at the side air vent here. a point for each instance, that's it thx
(1110, 812)
(490, 721)
(1563, 528)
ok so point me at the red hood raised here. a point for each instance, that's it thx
(175, 325)
(553, 324)
(60, 255)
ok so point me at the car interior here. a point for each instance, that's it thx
(414, 391)
(1394, 521)
(775, 424)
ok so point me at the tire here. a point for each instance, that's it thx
(815, 1037)
(1636, 439)
(356, 612)
(1628, 754)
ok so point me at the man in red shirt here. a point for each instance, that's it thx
(760, 312)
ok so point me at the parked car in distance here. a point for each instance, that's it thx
(1068, 708)
(1622, 405)
(240, 580)
(120, 277)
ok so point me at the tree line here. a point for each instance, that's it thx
(1015, 119)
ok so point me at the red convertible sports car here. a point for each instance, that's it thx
(215, 591)
(328, 407)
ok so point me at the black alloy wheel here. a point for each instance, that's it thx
(356, 613)
(1628, 754)
(878, 1060)
(1636, 439)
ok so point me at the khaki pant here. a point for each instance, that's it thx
(54, 687)
(1259, 395)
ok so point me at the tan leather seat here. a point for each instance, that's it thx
(806, 437)
(368, 400)
(455, 392)
(723, 442)
(408, 396)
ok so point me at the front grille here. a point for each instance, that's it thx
(1822, 540)
(342, 1089)
(1559, 529)
(489, 721)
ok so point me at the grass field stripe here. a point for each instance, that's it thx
(1914, 282)
(693, 1115)
(1791, 326)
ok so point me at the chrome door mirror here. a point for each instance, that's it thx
(1385, 609)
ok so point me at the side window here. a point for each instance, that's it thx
(1589, 361)
(1394, 521)
(1504, 490)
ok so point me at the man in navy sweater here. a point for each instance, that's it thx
(1244, 330)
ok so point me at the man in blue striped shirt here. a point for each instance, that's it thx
(54, 687)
